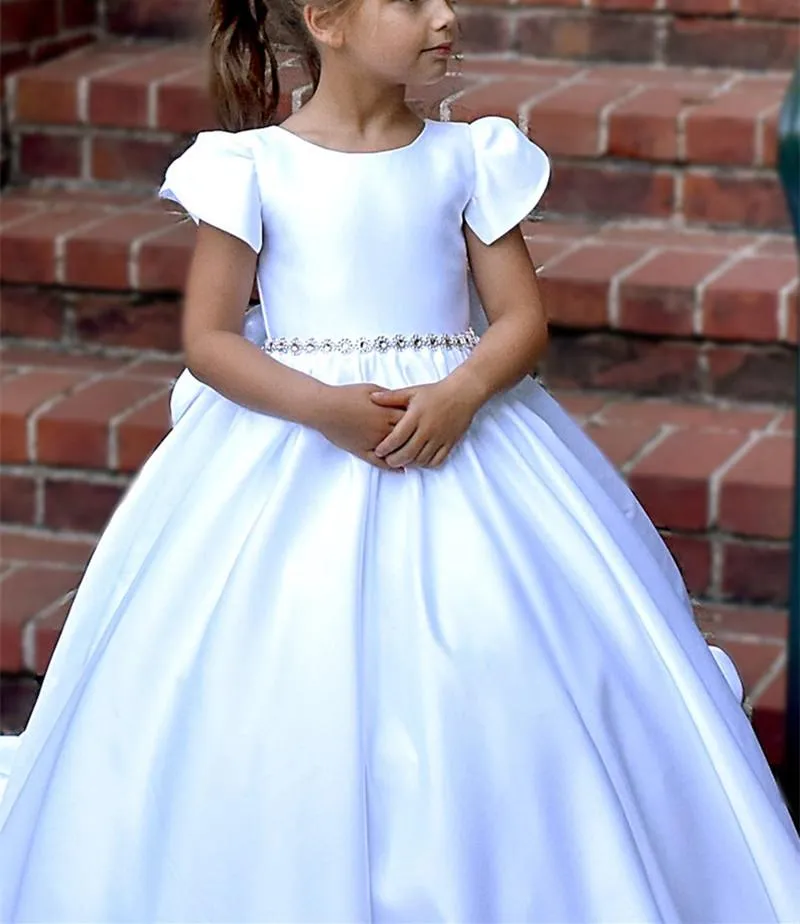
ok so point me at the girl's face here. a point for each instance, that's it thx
(400, 41)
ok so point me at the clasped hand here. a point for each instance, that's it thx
(415, 426)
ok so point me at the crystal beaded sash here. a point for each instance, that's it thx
(381, 344)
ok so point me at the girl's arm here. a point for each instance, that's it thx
(217, 292)
(517, 335)
(438, 415)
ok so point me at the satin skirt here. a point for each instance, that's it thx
(295, 688)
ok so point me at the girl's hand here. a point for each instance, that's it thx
(355, 423)
(436, 417)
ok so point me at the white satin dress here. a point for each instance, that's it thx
(295, 688)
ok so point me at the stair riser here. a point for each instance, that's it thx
(715, 565)
(700, 196)
(633, 31)
(632, 38)
(612, 361)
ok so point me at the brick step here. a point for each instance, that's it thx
(39, 572)
(751, 34)
(716, 479)
(756, 34)
(653, 143)
(633, 307)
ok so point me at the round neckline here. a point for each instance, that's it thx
(320, 147)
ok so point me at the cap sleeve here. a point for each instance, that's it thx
(511, 175)
(215, 181)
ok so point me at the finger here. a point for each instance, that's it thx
(426, 454)
(440, 456)
(378, 463)
(406, 454)
(395, 416)
(401, 434)
(398, 398)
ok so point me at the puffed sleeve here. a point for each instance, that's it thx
(215, 181)
(511, 175)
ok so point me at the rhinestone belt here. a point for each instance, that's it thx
(381, 344)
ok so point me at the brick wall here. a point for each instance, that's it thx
(34, 30)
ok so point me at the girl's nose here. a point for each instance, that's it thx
(445, 14)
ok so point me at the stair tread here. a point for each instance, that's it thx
(693, 466)
(655, 113)
(650, 278)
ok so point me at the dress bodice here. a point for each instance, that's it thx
(362, 244)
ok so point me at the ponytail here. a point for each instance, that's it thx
(245, 86)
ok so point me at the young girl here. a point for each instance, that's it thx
(375, 635)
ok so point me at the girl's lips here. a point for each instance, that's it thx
(444, 49)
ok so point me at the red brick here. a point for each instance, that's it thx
(24, 21)
(43, 549)
(75, 432)
(60, 45)
(140, 433)
(48, 94)
(19, 398)
(51, 156)
(183, 104)
(672, 480)
(568, 122)
(17, 698)
(725, 242)
(485, 30)
(693, 556)
(758, 573)
(118, 322)
(132, 160)
(717, 43)
(78, 14)
(760, 624)
(646, 126)
(769, 719)
(610, 192)
(601, 360)
(165, 370)
(576, 288)
(517, 67)
(156, 18)
(741, 201)
(100, 256)
(571, 35)
(120, 99)
(769, 9)
(164, 259)
(756, 494)
(724, 130)
(31, 358)
(33, 313)
(749, 373)
(633, 6)
(621, 443)
(696, 416)
(11, 61)
(660, 296)
(24, 594)
(79, 505)
(29, 247)
(501, 96)
(701, 7)
(752, 660)
(17, 499)
(743, 303)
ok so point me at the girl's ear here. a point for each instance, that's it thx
(325, 26)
